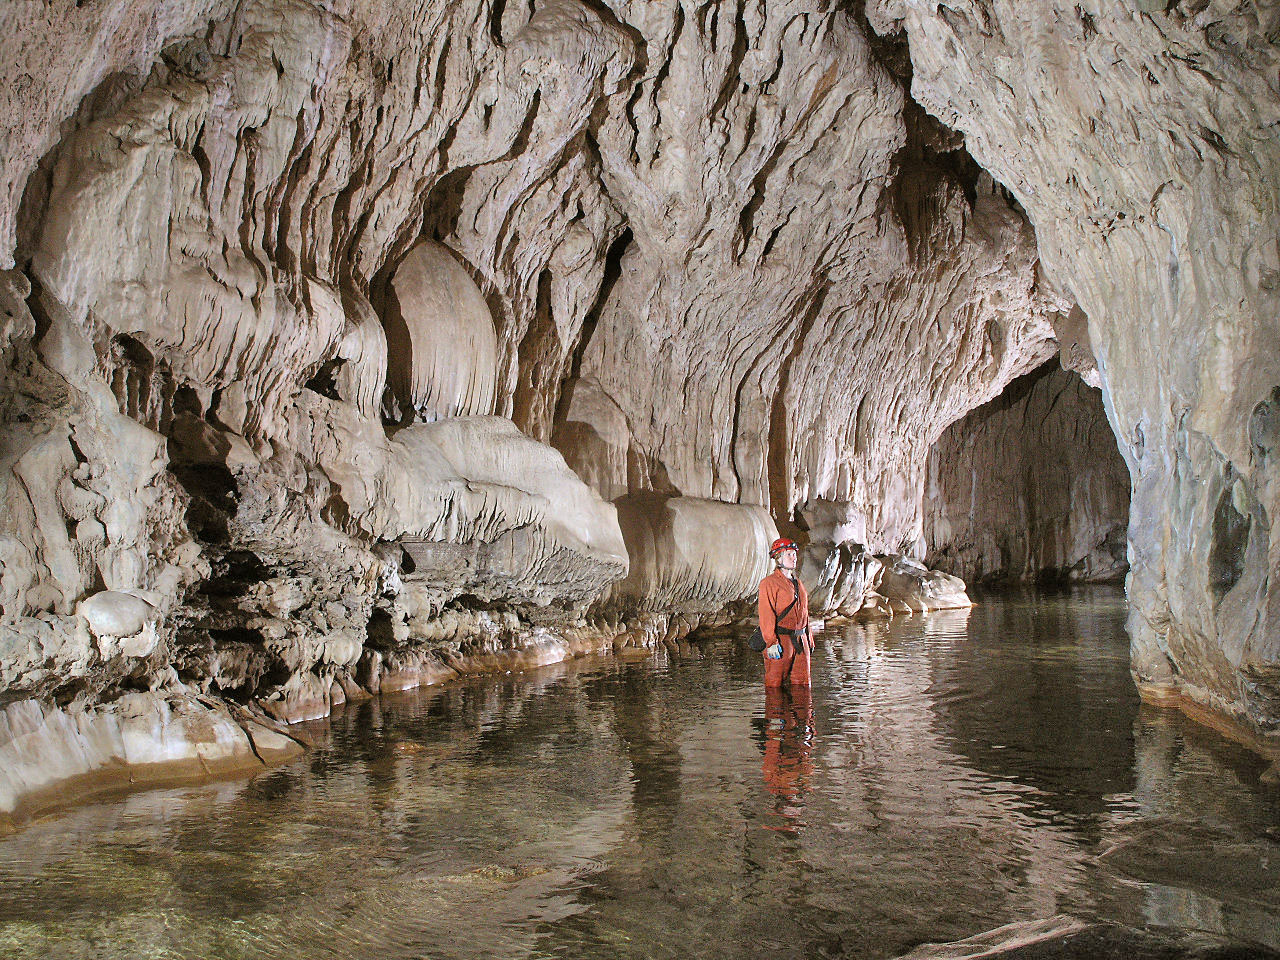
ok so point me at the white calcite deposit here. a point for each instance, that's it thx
(144, 737)
(369, 344)
(1141, 142)
(690, 555)
(442, 350)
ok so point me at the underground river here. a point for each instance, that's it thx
(950, 774)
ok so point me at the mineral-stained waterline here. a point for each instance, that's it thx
(950, 775)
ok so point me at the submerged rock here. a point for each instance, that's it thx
(908, 584)
(50, 755)
(1067, 938)
(1228, 866)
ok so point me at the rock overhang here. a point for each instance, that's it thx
(725, 258)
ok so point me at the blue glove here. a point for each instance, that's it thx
(774, 652)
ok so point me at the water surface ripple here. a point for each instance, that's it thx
(948, 775)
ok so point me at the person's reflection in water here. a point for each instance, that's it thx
(788, 742)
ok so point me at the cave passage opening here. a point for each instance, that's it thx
(1029, 488)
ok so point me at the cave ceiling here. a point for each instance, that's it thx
(755, 253)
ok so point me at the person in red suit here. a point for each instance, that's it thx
(784, 620)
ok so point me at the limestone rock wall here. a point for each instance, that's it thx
(1139, 139)
(1029, 486)
(333, 330)
(94, 551)
(221, 254)
(65, 58)
(275, 232)
(777, 315)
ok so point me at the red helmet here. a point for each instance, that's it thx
(782, 543)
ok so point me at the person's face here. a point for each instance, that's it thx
(787, 559)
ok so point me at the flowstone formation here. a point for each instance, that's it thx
(1030, 487)
(846, 579)
(1141, 142)
(350, 346)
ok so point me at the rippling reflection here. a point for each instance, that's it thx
(788, 746)
(949, 774)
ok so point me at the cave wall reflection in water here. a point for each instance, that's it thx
(950, 774)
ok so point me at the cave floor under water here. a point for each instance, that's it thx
(948, 775)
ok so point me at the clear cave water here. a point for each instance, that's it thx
(950, 774)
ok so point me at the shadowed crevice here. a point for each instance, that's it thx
(612, 271)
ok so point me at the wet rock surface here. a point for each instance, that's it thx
(910, 584)
(49, 755)
(1030, 486)
(333, 335)
(1136, 140)
(1230, 866)
(1066, 938)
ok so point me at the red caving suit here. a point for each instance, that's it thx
(776, 593)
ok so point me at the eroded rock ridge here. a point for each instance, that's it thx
(350, 345)
(1140, 143)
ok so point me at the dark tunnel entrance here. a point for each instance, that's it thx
(1029, 487)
